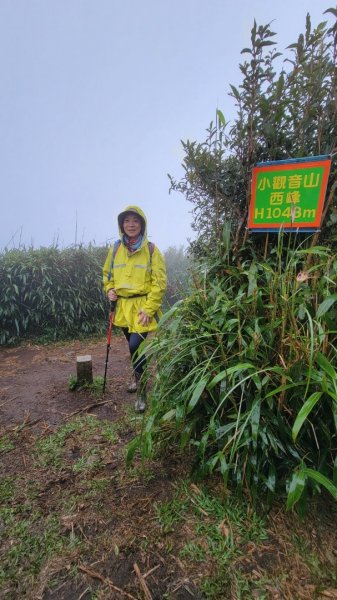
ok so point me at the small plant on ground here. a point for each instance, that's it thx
(96, 387)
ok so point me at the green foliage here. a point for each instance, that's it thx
(214, 183)
(285, 111)
(5, 444)
(247, 374)
(52, 293)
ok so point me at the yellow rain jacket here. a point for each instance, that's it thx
(139, 279)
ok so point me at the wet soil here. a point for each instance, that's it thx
(34, 381)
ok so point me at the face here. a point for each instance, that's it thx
(132, 225)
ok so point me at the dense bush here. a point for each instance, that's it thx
(58, 293)
(51, 292)
(247, 373)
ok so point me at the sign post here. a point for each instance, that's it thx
(289, 194)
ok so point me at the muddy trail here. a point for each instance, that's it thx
(77, 524)
(34, 381)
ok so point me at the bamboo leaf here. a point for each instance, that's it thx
(196, 394)
(296, 488)
(323, 362)
(326, 305)
(227, 372)
(255, 419)
(304, 413)
(221, 117)
(131, 450)
(169, 415)
(319, 250)
(284, 387)
(321, 479)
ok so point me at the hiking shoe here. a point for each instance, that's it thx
(132, 386)
(140, 405)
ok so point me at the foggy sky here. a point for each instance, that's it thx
(95, 98)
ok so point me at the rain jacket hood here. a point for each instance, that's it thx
(138, 211)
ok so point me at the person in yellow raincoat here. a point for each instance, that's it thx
(134, 274)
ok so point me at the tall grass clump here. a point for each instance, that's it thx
(51, 292)
(247, 373)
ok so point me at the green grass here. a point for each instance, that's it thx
(219, 529)
(45, 294)
(169, 514)
(31, 540)
(246, 376)
(5, 444)
(7, 486)
(51, 450)
(97, 486)
(90, 462)
(328, 574)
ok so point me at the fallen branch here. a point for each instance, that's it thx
(87, 408)
(151, 571)
(142, 582)
(105, 580)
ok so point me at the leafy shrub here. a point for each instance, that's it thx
(247, 373)
(51, 292)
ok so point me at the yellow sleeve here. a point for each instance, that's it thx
(158, 284)
(108, 281)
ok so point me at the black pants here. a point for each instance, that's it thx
(134, 341)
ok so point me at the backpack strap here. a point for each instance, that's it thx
(114, 252)
(116, 246)
(151, 249)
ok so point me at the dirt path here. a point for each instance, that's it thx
(34, 381)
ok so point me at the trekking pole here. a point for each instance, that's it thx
(112, 314)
